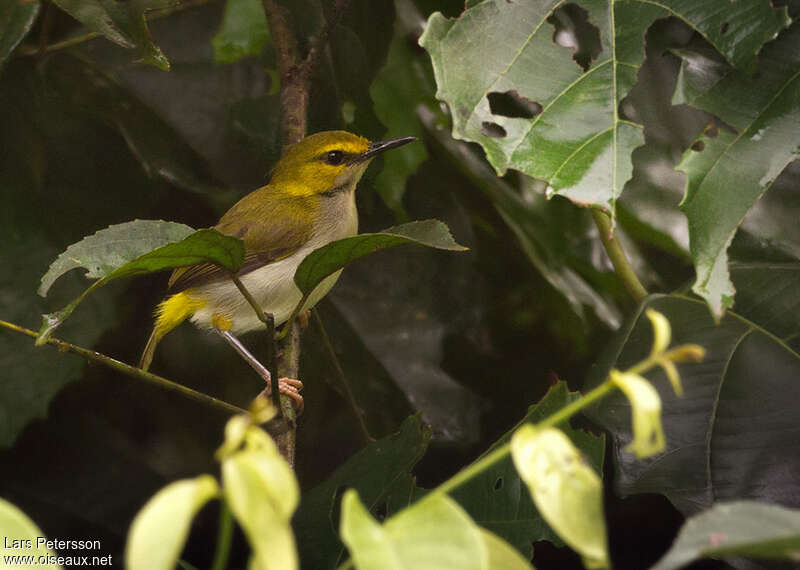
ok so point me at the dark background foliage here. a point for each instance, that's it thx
(91, 138)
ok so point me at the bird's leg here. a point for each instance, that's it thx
(287, 386)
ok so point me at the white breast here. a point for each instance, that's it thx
(272, 286)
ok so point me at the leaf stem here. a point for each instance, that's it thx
(224, 537)
(501, 452)
(129, 370)
(617, 256)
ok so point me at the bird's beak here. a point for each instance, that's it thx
(378, 147)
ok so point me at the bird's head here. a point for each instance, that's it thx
(328, 162)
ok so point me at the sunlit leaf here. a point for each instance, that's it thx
(262, 493)
(22, 537)
(159, 531)
(435, 533)
(742, 528)
(567, 128)
(567, 492)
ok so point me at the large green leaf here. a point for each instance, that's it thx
(16, 19)
(124, 23)
(728, 172)
(375, 472)
(735, 432)
(569, 131)
(742, 528)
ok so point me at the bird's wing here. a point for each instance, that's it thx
(271, 230)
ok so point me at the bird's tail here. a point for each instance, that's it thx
(171, 312)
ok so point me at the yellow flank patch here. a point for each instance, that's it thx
(221, 322)
(175, 309)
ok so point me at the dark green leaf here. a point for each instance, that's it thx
(498, 499)
(571, 134)
(728, 172)
(160, 150)
(16, 19)
(735, 433)
(374, 472)
(244, 31)
(334, 256)
(403, 83)
(124, 23)
(742, 528)
(135, 248)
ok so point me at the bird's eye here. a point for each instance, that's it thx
(334, 157)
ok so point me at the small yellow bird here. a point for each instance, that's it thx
(309, 202)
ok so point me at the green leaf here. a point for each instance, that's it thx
(497, 498)
(123, 23)
(567, 492)
(16, 19)
(243, 32)
(127, 249)
(332, 257)
(21, 536)
(728, 172)
(741, 528)
(377, 472)
(262, 493)
(107, 250)
(570, 132)
(435, 533)
(719, 444)
(403, 83)
(160, 529)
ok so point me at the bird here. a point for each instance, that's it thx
(308, 203)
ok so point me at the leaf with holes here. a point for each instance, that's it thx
(728, 172)
(497, 498)
(513, 90)
(376, 472)
(735, 433)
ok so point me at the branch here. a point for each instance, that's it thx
(129, 370)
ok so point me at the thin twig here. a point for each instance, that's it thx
(348, 393)
(129, 370)
(617, 256)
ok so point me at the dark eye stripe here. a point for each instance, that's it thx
(334, 157)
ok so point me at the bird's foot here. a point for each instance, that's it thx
(288, 387)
